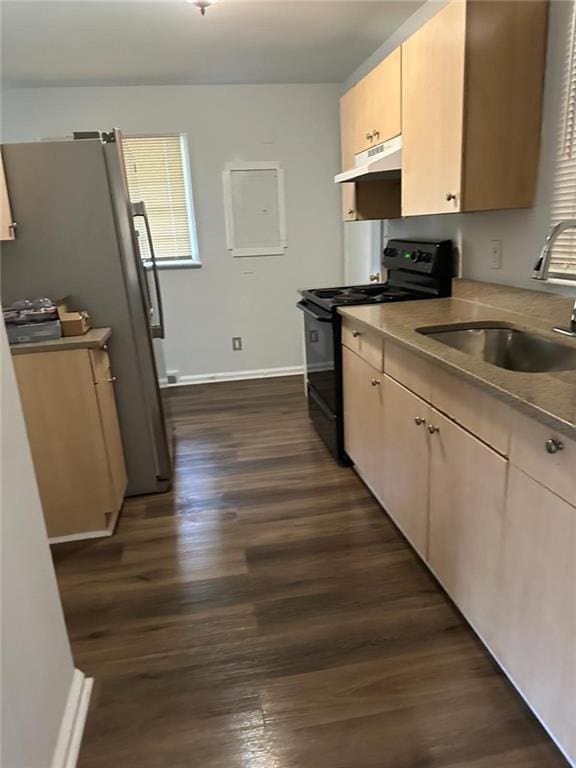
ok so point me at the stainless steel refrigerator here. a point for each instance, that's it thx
(76, 237)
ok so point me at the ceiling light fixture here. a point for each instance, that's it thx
(202, 4)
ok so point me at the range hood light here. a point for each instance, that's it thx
(384, 161)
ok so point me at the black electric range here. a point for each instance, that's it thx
(416, 269)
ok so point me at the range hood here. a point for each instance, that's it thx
(377, 163)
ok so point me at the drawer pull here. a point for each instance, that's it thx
(418, 420)
(375, 382)
(356, 334)
(553, 446)
(433, 429)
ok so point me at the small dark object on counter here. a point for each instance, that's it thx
(30, 320)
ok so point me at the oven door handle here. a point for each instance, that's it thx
(320, 318)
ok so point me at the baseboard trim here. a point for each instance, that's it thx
(260, 373)
(73, 721)
(84, 535)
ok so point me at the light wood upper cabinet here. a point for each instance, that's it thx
(371, 108)
(6, 221)
(406, 463)
(472, 84)
(432, 105)
(375, 199)
(378, 104)
(363, 417)
(348, 112)
(467, 493)
(536, 639)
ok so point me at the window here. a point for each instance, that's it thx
(563, 261)
(157, 173)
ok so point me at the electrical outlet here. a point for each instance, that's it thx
(495, 254)
(237, 343)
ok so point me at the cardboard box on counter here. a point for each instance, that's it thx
(73, 323)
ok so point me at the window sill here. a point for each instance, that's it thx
(180, 264)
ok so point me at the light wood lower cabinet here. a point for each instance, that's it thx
(502, 543)
(404, 446)
(363, 417)
(70, 413)
(467, 494)
(536, 638)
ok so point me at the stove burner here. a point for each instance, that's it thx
(346, 294)
(360, 294)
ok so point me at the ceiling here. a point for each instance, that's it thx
(131, 42)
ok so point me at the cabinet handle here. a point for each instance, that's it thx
(356, 334)
(375, 382)
(375, 277)
(419, 421)
(350, 211)
(369, 137)
(450, 196)
(12, 228)
(112, 379)
(376, 134)
(433, 429)
(553, 446)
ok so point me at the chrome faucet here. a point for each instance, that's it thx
(542, 266)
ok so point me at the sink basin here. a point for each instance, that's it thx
(506, 347)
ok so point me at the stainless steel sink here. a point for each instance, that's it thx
(506, 347)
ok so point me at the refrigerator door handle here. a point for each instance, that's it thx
(158, 332)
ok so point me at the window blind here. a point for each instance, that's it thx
(156, 175)
(563, 260)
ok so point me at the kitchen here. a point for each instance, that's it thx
(273, 607)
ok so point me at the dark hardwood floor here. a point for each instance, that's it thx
(267, 614)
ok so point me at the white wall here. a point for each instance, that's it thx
(521, 231)
(37, 667)
(251, 297)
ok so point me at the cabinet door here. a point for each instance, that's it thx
(432, 113)
(378, 102)
(537, 602)
(63, 424)
(363, 418)
(104, 382)
(348, 192)
(406, 463)
(348, 108)
(467, 492)
(6, 228)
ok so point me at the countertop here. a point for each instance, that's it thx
(93, 339)
(548, 397)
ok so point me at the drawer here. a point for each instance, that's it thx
(410, 370)
(366, 343)
(528, 451)
(477, 411)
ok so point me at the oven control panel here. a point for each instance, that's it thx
(425, 257)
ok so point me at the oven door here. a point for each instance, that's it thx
(319, 328)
